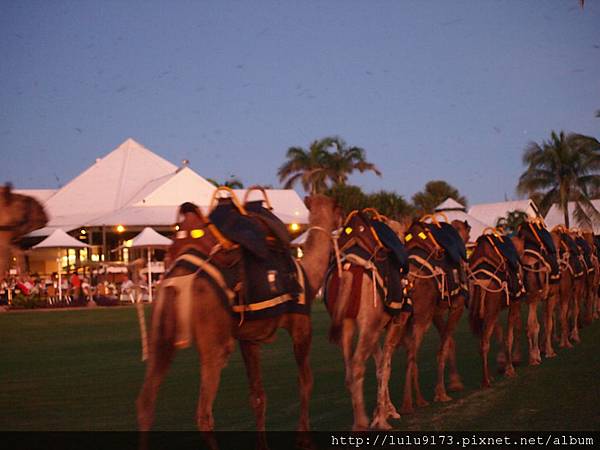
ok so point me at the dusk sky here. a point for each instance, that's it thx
(443, 89)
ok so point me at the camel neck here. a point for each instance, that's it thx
(316, 255)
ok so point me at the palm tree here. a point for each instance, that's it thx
(233, 183)
(512, 221)
(434, 193)
(564, 168)
(346, 160)
(318, 165)
(307, 166)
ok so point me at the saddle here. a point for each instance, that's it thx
(439, 250)
(245, 249)
(506, 270)
(586, 252)
(569, 248)
(538, 240)
(368, 245)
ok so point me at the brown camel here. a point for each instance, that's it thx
(541, 278)
(490, 293)
(591, 279)
(369, 318)
(428, 307)
(568, 274)
(579, 290)
(19, 215)
(215, 330)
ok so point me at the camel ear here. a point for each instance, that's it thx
(307, 202)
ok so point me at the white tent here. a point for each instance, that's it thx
(149, 239)
(455, 211)
(59, 240)
(556, 217)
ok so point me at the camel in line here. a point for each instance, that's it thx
(19, 215)
(428, 308)
(215, 330)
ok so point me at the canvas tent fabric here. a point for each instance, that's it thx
(491, 212)
(450, 205)
(60, 239)
(132, 186)
(150, 238)
(556, 217)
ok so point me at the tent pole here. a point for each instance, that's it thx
(59, 277)
(149, 278)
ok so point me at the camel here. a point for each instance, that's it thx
(19, 215)
(572, 283)
(428, 307)
(490, 293)
(591, 278)
(215, 330)
(541, 278)
(369, 321)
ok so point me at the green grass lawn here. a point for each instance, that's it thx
(81, 370)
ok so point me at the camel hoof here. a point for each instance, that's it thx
(443, 398)
(576, 339)
(534, 362)
(392, 413)
(510, 372)
(551, 354)
(421, 403)
(455, 385)
(379, 423)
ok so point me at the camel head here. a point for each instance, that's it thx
(463, 228)
(324, 211)
(19, 215)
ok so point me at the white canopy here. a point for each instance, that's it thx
(60, 239)
(150, 238)
(449, 205)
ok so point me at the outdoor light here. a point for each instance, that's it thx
(120, 228)
(83, 232)
(128, 243)
(176, 227)
(294, 227)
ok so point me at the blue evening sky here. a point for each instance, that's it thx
(442, 89)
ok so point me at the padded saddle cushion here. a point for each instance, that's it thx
(241, 229)
(450, 241)
(392, 242)
(274, 225)
(508, 250)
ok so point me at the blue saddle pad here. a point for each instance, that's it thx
(450, 240)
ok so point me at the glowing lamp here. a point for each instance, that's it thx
(294, 227)
(120, 228)
(176, 227)
(83, 232)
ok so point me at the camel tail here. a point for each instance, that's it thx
(476, 309)
(164, 325)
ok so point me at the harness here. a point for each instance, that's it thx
(366, 243)
(433, 261)
(483, 270)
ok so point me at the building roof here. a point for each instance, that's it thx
(41, 195)
(491, 212)
(477, 226)
(134, 186)
(556, 217)
(450, 204)
(110, 183)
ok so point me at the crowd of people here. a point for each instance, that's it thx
(72, 290)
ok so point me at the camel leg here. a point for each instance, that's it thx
(575, 327)
(407, 401)
(301, 335)
(455, 382)
(533, 330)
(159, 360)
(564, 320)
(418, 339)
(365, 347)
(385, 408)
(549, 325)
(445, 350)
(486, 336)
(513, 318)
(258, 399)
(214, 354)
